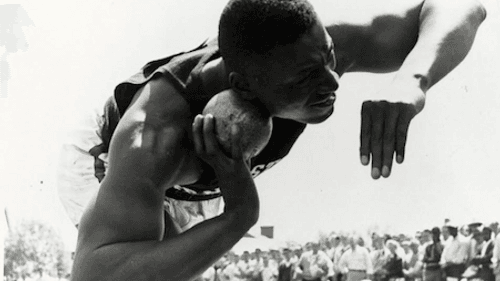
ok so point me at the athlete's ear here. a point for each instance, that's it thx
(241, 85)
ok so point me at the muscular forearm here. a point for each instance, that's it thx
(240, 194)
(179, 258)
(446, 34)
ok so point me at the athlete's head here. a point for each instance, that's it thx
(279, 52)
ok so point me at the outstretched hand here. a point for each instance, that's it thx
(384, 127)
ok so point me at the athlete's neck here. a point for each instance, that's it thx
(214, 77)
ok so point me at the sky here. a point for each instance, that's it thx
(79, 50)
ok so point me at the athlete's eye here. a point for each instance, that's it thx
(331, 61)
(305, 79)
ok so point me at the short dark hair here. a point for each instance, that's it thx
(453, 230)
(487, 230)
(436, 231)
(249, 29)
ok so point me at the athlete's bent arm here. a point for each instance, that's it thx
(120, 235)
(425, 40)
(446, 32)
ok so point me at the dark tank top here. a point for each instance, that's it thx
(183, 71)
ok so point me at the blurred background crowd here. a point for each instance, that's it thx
(449, 252)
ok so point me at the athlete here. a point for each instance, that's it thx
(279, 55)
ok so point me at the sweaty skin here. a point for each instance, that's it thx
(121, 233)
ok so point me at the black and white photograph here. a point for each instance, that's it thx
(250, 140)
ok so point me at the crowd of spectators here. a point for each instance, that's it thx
(447, 253)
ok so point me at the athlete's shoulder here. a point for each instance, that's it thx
(158, 102)
(375, 38)
(363, 12)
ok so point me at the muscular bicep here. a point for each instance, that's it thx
(152, 134)
(376, 38)
(150, 137)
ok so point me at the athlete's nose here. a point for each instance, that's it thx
(330, 81)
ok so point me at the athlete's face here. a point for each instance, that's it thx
(299, 80)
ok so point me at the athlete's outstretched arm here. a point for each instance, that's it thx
(121, 233)
(445, 34)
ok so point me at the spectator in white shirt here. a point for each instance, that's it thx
(445, 232)
(378, 256)
(209, 274)
(455, 255)
(245, 266)
(341, 249)
(256, 266)
(231, 271)
(297, 253)
(275, 257)
(313, 265)
(476, 239)
(412, 269)
(334, 246)
(408, 252)
(331, 273)
(356, 262)
(269, 270)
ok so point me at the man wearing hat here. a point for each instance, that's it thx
(455, 254)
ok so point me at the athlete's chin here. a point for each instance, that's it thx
(320, 118)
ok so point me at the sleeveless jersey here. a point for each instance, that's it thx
(183, 71)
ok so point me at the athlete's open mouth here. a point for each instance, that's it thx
(329, 100)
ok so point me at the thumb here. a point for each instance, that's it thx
(236, 150)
